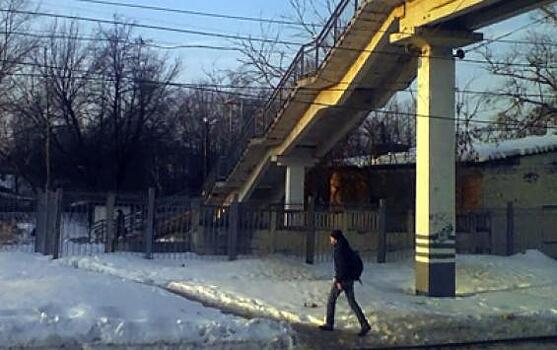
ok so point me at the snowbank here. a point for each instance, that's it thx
(46, 304)
(498, 297)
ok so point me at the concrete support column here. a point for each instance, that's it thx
(294, 201)
(435, 173)
(435, 155)
(294, 188)
(296, 164)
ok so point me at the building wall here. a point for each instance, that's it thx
(528, 182)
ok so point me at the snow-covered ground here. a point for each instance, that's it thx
(498, 297)
(47, 304)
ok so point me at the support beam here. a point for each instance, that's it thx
(435, 158)
(294, 188)
(471, 14)
(435, 174)
(296, 164)
(497, 13)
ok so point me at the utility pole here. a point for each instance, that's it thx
(47, 122)
(205, 147)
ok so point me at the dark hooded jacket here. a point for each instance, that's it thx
(342, 253)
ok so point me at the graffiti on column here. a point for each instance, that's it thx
(447, 229)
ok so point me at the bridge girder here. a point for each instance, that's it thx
(462, 14)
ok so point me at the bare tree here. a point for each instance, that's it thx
(310, 16)
(468, 130)
(131, 100)
(14, 47)
(266, 61)
(529, 94)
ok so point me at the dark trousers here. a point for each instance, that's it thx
(348, 289)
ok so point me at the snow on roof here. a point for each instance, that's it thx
(483, 151)
(517, 147)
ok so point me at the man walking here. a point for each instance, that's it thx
(345, 274)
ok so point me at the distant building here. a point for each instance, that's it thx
(522, 171)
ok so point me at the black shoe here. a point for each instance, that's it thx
(365, 329)
(326, 327)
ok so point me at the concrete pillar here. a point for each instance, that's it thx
(294, 188)
(435, 155)
(435, 173)
(296, 164)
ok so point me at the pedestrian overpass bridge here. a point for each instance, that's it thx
(367, 51)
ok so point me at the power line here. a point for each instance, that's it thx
(264, 88)
(306, 102)
(114, 22)
(200, 13)
(148, 42)
(500, 37)
(149, 26)
(260, 20)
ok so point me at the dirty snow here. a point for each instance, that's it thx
(47, 304)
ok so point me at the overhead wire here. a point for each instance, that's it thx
(378, 52)
(263, 88)
(253, 19)
(307, 102)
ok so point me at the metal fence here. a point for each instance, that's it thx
(76, 224)
(97, 223)
(17, 223)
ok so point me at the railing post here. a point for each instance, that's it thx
(316, 56)
(510, 228)
(233, 230)
(302, 70)
(57, 224)
(382, 237)
(110, 202)
(310, 233)
(149, 229)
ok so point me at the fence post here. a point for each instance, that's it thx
(234, 221)
(195, 226)
(50, 214)
(51, 209)
(382, 237)
(273, 228)
(490, 231)
(110, 202)
(410, 221)
(41, 214)
(57, 224)
(149, 229)
(510, 228)
(310, 233)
